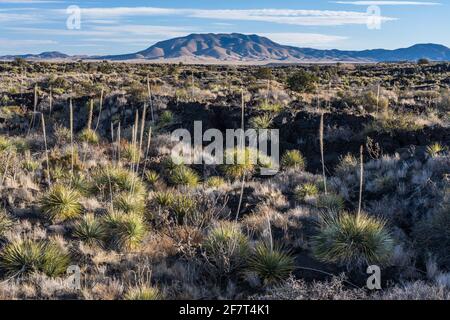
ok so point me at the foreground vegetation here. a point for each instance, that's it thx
(87, 180)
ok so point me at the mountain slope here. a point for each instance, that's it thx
(237, 47)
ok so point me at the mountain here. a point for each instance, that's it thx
(41, 56)
(240, 48)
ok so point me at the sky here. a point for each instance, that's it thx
(120, 26)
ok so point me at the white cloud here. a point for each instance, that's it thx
(304, 39)
(280, 16)
(23, 43)
(389, 3)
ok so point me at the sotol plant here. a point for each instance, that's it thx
(271, 264)
(25, 256)
(61, 203)
(226, 247)
(90, 230)
(353, 240)
(124, 231)
(293, 159)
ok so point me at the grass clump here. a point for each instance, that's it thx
(184, 176)
(353, 240)
(163, 198)
(271, 107)
(152, 177)
(130, 152)
(215, 182)
(5, 222)
(143, 293)
(61, 203)
(435, 150)
(5, 144)
(26, 256)
(330, 201)
(89, 136)
(116, 180)
(293, 159)
(432, 235)
(226, 247)
(182, 206)
(129, 203)
(124, 231)
(271, 264)
(90, 230)
(306, 190)
(242, 162)
(261, 122)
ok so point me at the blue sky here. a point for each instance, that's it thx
(119, 26)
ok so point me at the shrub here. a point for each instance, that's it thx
(271, 264)
(26, 256)
(61, 203)
(143, 293)
(182, 206)
(184, 176)
(293, 159)
(261, 122)
(90, 230)
(5, 144)
(89, 136)
(331, 202)
(243, 162)
(215, 182)
(433, 236)
(129, 203)
(353, 240)
(302, 81)
(226, 247)
(305, 190)
(130, 152)
(271, 107)
(117, 179)
(346, 165)
(163, 198)
(124, 231)
(5, 222)
(435, 149)
(152, 177)
(165, 119)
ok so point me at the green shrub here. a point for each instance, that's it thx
(261, 122)
(124, 231)
(215, 182)
(331, 202)
(271, 107)
(143, 293)
(61, 203)
(163, 198)
(271, 264)
(243, 162)
(353, 240)
(293, 159)
(165, 119)
(152, 177)
(129, 203)
(89, 136)
(183, 206)
(5, 144)
(116, 180)
(130, 152)
(432, 236)
(90, 230)
(227, 248)
(184, 176)
(305, 190)
(5, 222)
(25, 256)
(302, 81)
(435, 149)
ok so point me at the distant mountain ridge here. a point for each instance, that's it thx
(237, 47)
